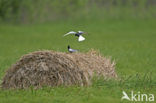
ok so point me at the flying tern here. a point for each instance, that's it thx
(78, 34)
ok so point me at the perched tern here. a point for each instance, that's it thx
(71, 50)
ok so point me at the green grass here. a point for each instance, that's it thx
(131, 43)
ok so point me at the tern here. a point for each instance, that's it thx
(78, 34)
(71, 50)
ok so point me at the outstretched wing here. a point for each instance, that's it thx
(80, 32)
(71, 32)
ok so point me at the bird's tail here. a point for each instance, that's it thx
(81, 38)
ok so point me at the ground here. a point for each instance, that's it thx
(130, 42)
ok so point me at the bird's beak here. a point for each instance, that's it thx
(85, 33)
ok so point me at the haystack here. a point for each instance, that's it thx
(50, 68)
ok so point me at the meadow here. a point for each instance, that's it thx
(130, 42)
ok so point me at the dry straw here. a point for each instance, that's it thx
(50, 68)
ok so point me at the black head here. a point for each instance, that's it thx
(77, 34)
(68, 47)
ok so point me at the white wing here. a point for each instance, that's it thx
(80, 32)
(81, 38)
(71, 32)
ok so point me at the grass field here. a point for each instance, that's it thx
(130, 42)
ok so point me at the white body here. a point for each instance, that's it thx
(72, 50)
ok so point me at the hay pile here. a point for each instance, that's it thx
(50, 68)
